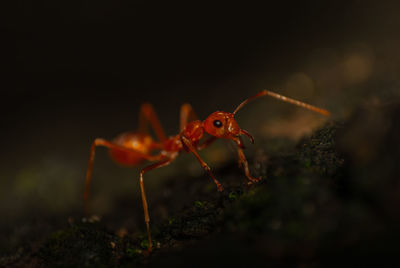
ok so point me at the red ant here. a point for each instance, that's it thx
(131, 148)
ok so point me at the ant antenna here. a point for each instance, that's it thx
(285, 99)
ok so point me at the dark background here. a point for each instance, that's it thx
(76, 70)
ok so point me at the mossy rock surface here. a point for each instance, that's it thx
(320, 202)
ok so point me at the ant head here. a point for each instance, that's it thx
(223, 125)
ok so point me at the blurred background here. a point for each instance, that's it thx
(76, 70)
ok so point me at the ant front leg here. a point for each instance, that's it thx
(144, 199)
(110, 145)
(190, 146)
(245, 165)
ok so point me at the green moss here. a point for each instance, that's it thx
(296, 203)
(144, 244)
(198, 204)
(307, 163)
(171, 221)
(133, 252)
(232, 196)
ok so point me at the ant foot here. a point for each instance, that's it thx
(220, 187)
(254, 180)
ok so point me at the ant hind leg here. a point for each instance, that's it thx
(143, 193)
(110, 145)
(187, 115)
(148, 115)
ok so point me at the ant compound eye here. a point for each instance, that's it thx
(217, 123)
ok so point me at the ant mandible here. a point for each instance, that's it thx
(132, 148)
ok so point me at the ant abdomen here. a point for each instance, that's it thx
(140, 142)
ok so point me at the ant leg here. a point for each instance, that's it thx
(243, 163)
(148, 115)
(187, 115)
(190, 146)
(102, 142)
(144, 199)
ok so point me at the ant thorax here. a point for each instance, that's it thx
(193, 131)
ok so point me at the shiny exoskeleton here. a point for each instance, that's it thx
(132, 148)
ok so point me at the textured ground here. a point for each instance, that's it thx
(331, 197)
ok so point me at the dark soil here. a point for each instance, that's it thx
(330, 200)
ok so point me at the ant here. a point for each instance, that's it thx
(132, 148)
